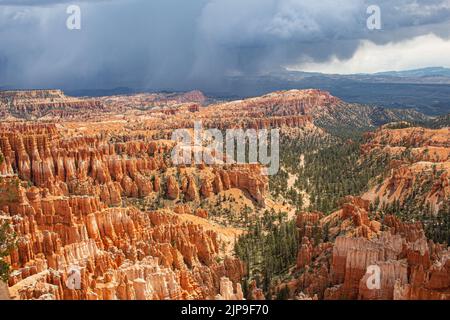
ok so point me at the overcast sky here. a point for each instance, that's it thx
(186, 44)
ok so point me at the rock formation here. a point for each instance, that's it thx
(342, 264)
(102, 212)
(65, 196)
(420, 157)
(4, 292)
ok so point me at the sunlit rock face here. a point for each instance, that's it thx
(64, 196)
(338, 252)
(410, 265)
(101, 211)
(420, 156)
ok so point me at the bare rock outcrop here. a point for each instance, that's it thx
(364, 262)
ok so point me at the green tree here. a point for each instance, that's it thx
(7, 243)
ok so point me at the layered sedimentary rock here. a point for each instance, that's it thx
(359, 251)
(167, 101)
(122, 253)
(55, 105)
(94, 165)
(101, 211)
(64, 195)
(36, 104)
(420, 160)
(65, 186)
(355, 259)
(168, 111)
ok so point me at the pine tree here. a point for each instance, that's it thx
(7, 243)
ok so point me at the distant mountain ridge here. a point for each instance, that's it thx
(423, 72)
(426, 90)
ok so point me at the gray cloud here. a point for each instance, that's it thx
(177, 44)
(41, 3)
(273, 33)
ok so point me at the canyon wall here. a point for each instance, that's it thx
(352, 246)
(65, 195)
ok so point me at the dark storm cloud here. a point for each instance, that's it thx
(264, 34)
(121, 43)
(178, 44)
